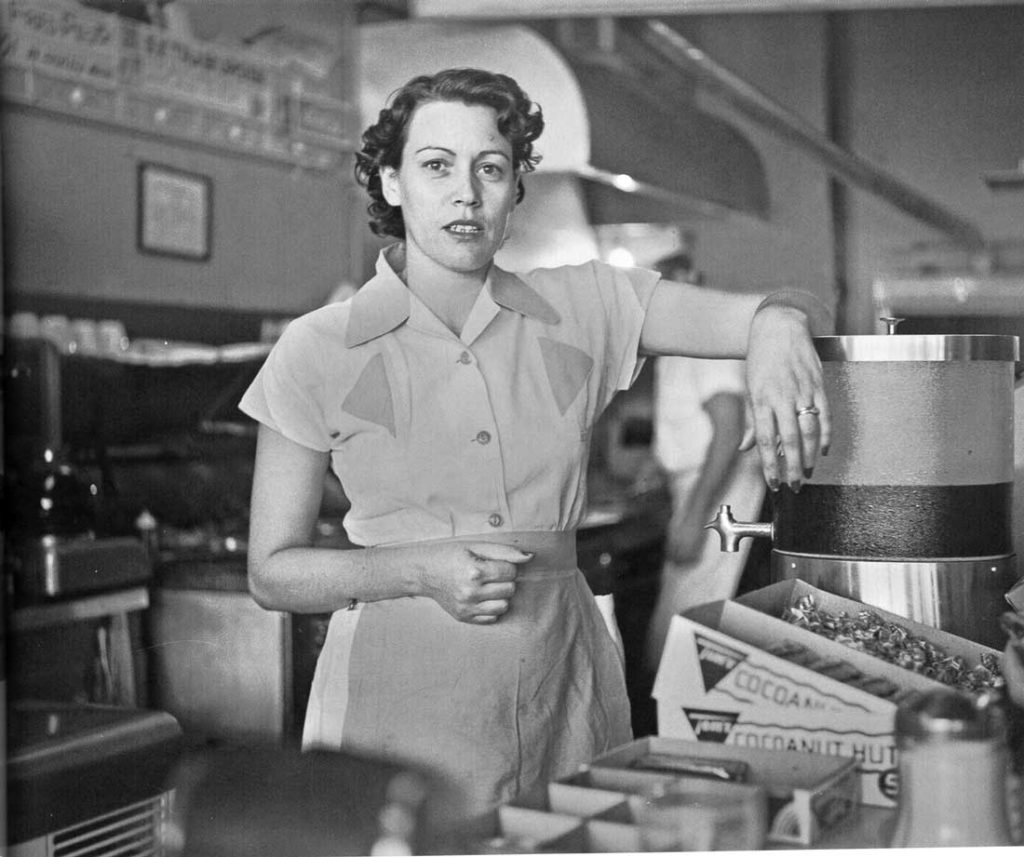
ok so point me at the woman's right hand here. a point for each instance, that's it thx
(472, 581)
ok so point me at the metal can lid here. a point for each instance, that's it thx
(917, 348)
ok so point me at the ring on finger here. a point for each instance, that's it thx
(809, 410)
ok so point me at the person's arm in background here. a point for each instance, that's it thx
(1013, 671)
(1012, 662)
(685, 537)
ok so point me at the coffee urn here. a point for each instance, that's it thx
(911, 509)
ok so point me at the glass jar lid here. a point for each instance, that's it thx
(947, 714)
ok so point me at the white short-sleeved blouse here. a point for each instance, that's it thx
(436, 435)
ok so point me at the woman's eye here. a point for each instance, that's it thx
(493, 171)
(434, 166)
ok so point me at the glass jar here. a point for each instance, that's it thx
(697, 815)
(953, 765)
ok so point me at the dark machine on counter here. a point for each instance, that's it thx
(54, 549)
(126, 488)
(86, 761)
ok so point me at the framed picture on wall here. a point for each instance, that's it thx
(175, 216)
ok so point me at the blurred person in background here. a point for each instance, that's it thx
(699, 425)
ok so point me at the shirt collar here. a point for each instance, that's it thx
(509, 291)
(379, 306)
(383, 303)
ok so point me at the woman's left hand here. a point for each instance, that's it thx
(789, 409)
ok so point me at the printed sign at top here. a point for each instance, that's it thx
(60, 37)
(160, 63)
(60, 20)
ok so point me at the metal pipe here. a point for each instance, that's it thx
(761, 108)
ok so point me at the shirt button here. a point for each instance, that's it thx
(483, 437)
(465, 359)
(495, 520)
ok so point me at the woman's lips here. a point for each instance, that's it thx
(464, 227)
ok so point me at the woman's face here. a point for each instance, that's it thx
(456, 186)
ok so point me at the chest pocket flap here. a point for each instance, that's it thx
(568, 369)
(370, 398)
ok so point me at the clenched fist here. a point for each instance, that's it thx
(473, 581)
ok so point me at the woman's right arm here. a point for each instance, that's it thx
(472, 582)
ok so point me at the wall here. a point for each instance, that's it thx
(936, 98)
(279, 236)
(933, 94)
(933, 98)
(784, 56)
(281, 232)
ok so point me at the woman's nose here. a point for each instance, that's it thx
(466, 190)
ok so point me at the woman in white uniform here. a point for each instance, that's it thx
(455, 402)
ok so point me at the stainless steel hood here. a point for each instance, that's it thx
(684, 161)
(631, 133)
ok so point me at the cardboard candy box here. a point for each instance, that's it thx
(807, 793)
(600, 808)
(717, 683)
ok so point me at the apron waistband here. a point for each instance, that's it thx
(553, 550)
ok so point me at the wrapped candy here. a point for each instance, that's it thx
(868, 632)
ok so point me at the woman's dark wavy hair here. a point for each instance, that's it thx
(520, 121)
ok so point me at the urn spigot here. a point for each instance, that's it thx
(730, 531)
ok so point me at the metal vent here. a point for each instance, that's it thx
(132, 831)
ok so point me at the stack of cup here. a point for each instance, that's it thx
(696, 816)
